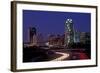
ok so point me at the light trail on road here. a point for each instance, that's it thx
(64, 56)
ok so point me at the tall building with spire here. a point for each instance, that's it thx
(69, 32)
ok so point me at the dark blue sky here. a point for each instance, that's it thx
(51, 22)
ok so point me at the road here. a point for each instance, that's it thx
(61, 58)
(63, 54)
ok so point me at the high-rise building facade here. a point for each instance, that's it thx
(69, 32)
(76, 36)
(32, 35)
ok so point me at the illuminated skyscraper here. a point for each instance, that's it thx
(69, 32)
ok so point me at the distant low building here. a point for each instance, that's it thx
(82, 37)
(40, 40)
(85, 37)
(56, 40)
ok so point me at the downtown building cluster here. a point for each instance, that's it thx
(70, 36)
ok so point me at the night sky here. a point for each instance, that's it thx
(51, 22)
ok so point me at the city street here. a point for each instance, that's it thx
(62, 57)
(63, 54)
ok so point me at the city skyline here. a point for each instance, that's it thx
(49, 22)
